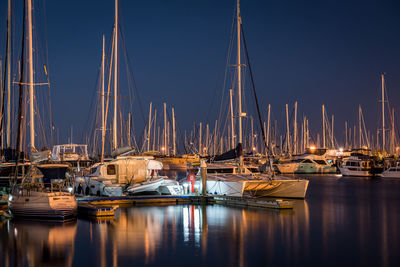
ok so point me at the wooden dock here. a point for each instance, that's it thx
(254, 202)
(188, 199)
(137, 200)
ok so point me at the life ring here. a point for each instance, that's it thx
(191, 177)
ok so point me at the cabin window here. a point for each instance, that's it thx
(364, 164)
(320, 161)
(354, 163)
(392, 169)
(93, 170)
(111, 170)
(307, 161)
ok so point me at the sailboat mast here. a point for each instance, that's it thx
(287, 129)
(383, 112)
(103, 128)
(323, 126)
(154, 129)
(268, 125)
(129, 129)
(359, 126)
(232, 129)
(165, 128)
(239, 81)
(30, 77)
(8, 74)
(173, 133)
(115, 76)
(295, 129)
(149, 128)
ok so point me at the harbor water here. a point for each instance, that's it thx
(342, 222)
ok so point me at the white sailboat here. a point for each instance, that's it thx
(125, 173)
(45, 191)
(242, 181)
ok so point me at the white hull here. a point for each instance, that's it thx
(304, 168)
(390, 174)
(45, 205)
(149, 186)
(361, 173)
(93, 186)
(170, 187)
(285, 188)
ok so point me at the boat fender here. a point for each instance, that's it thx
(79, 190)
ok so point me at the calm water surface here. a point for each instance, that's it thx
(342, 222)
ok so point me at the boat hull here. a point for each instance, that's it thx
(43, 205)
(305, 168)
(285, 188)
(150, 186)
(359, 173)
(390, 174)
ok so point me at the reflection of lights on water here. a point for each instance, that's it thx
(186, 224)
(191, 223)
(197, 226)
(15, 231)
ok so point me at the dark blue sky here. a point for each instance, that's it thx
(315, 52)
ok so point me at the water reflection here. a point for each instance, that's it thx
(26, 243)
(349, 222)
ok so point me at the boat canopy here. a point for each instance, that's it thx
(53, 172)
(231, 154)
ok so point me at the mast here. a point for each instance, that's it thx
(287, 129)
(129, 129)
(149, 130)
(173, 133)
(383, 111)
(252, 135)
(20, 97)
(205, 149)
(239, 81)
(165, 128)
(393, 134)
(154, 129)
(295, 129)
(359, 126)
(8, 130)
(268, 123)
(232, 129)
(115, 76)
(323, 126)
(103, 127)
(215, 138)
(332, 138)
(345, 131)
(30, 77)
(200, 139)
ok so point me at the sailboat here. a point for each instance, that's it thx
(242, 181)
(45, 191)
(126, 173)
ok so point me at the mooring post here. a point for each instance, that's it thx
(203, 170)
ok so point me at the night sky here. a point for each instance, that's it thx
(316, 52)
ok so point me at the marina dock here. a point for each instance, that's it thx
(186, 199)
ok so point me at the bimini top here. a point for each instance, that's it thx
(69, 151)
